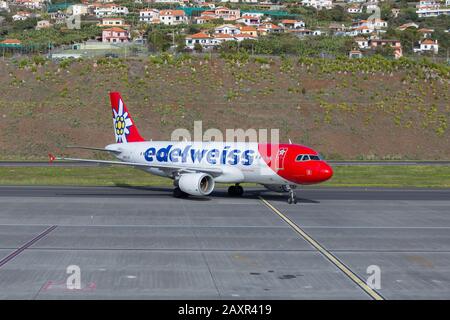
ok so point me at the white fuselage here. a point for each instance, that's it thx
(239, 161)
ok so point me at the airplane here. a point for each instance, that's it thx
(195, 166)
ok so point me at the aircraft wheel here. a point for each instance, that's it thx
(235, 191)
(178, 193)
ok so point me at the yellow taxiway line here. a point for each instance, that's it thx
(371, 292)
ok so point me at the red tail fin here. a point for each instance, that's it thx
(51, 158)
(124, 127)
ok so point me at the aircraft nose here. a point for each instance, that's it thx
(325, 171)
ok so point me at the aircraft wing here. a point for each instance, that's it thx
(212, 171)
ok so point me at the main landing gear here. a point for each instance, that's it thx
(177, 193)
(292, 197)
(235, 191)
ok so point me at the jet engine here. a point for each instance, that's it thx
(196, 184)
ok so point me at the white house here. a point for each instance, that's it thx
(223, 37)
(424, 13)
(172, 17)
(377, 23)
(428, 45)
(21, 15)
(362, 42)
(237, 1)
(227, 29)
(354, 9)
(301, 32)
(268, 27)
(362, 30)
(203, 39)
(30, 4)
(431, 8)
(78, 9)
(113, 22)
(227, 14)
(254, 14)
(169, 1)
(370, 24)
(428, 4)
(243, 36)
(318, 4)
(203, 19)
(109, 9)
(249, 20)
(43, 24)
(149, 15)
(292, 24)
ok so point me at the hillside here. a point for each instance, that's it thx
(346, 109)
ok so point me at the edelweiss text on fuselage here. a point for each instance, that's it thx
(188, 153)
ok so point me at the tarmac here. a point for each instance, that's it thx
(141, 243)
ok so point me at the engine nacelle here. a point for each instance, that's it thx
(196, 184)
(277, 187)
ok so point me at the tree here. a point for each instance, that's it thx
(385, 51)
(158, 40)
(198, 47)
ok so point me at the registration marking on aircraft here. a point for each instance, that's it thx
(327, 254)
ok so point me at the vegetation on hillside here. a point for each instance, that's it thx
(367, 108)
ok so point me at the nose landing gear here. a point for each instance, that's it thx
(235, 190)
(292, 196)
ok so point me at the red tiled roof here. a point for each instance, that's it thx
(171, 13)
(223, 35)
(200, 35)
(115, 29)
(428, 41)
(247, 28)
(11, 41)
(241, 35)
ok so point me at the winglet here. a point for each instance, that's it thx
(51, 158)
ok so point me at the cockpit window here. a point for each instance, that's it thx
(306, 157)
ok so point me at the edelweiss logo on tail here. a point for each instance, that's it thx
(125, 130)
(121, 123)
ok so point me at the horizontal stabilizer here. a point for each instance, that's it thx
(94, 149)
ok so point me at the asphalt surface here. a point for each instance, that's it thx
(334, 163)
(140, 243)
